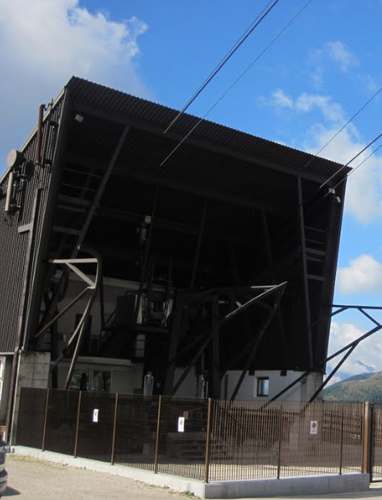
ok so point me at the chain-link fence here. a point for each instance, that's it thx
(200, 439)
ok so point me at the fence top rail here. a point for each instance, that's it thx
(220, 403)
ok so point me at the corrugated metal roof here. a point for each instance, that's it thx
(124, 108)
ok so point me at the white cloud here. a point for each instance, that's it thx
(280, 99)
(364, 188)
(332, 111)
(364, 274)
(367, 356)
(305, 103)
(333, 53)
(44, 42)
(338, 52)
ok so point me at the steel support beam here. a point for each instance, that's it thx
(97, 198)
(332, 373)
(268, 248)
(176, 332)
(259, 338)
(199, 244)
(308, 316)
(349, 347)
(62, 312)
(268, 290)
(215, 368)
(81, 326)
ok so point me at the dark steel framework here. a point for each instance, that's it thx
(347, 350)
(221, 239)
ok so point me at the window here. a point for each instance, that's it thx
(262, 386)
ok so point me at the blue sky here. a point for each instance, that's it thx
(319, 72)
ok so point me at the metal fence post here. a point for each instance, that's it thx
(45, 420)
(366, 439)
(114, 428)
(157, 435)
(208, 441)
(371, 442)
(341, 440)
(77, 424)
(280, 441)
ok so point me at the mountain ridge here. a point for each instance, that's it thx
(363, 387)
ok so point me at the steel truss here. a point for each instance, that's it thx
(346, 350)
(210, 336)
(92, 285)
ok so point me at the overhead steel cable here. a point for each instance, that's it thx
(344, 126)
(331, 177)
(352, 172)
(259, 18)
(229, 88)
(323, 194)
(364, 160)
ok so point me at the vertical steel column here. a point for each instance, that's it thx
(366, 434)
(198, 245)
(341, 440)
(176, 331)
(268, 248)
(280, 442)
(157, 436)
(372, 441)
(208, 441)
(114, 428)
(216, 372)
(77, 424)
(146, 253)
(45, 420)
(305, 272)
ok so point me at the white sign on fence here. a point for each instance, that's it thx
(95, 415)
(181, 424)
(314, 427)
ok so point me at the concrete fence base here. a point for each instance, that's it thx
(307, 485)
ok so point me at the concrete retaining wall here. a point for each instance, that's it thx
(308, 485)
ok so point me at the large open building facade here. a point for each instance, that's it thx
(211, 275)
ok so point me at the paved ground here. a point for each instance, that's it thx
(35, 480)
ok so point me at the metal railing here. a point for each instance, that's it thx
(208, 440)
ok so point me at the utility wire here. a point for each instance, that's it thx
(313, 158)
(345, 125)
(362, 162)
(290, 220)
(348, 163)
(230, 87)
(260, 17)
(322, 148)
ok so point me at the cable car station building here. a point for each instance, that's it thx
(211, 275)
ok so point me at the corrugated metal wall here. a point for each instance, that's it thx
(15, 246)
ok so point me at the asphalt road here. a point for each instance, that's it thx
(36, 480)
